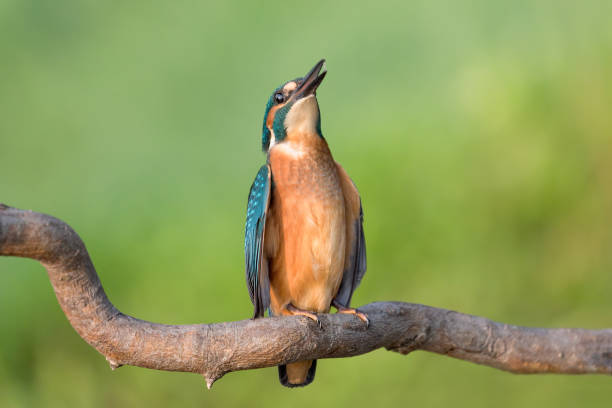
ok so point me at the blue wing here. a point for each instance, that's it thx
(356, 266)
(355, 262)
(256, 265)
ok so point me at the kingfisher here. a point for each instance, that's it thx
(304, 242)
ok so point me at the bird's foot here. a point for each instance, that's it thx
(350, 310)
(292, 310)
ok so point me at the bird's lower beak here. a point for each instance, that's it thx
(312, 80)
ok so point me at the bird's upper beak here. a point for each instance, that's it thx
(311, 81)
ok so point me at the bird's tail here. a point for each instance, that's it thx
(297, 374)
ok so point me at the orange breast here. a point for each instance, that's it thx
(305, 232)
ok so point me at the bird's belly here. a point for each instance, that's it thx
(308, 265)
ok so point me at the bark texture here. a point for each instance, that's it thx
(216, 349)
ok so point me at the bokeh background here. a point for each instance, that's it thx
(479, 134)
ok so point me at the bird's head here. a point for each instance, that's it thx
(293, 107)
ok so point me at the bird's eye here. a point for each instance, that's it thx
(279, 97)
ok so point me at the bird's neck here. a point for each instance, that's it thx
(303, 121)
(298, 145)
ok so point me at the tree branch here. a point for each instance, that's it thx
(216, 349)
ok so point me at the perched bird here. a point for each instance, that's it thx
(304, 243)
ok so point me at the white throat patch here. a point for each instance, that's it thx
(272, 139)
(303, 116)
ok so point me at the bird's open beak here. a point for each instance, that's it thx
(311, 81)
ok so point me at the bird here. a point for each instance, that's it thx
(304, 241)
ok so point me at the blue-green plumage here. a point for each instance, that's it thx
(256, 266)
(265, 137)
(278, 125)
(279, 122)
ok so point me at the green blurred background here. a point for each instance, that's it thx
(479, 134)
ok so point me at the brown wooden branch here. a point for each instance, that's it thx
(215, 349)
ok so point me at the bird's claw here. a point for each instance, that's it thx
(311, 315)
(349, 310)
(315, 319)
(363, 317)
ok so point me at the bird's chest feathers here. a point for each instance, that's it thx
(308, 206)
(305, 176)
